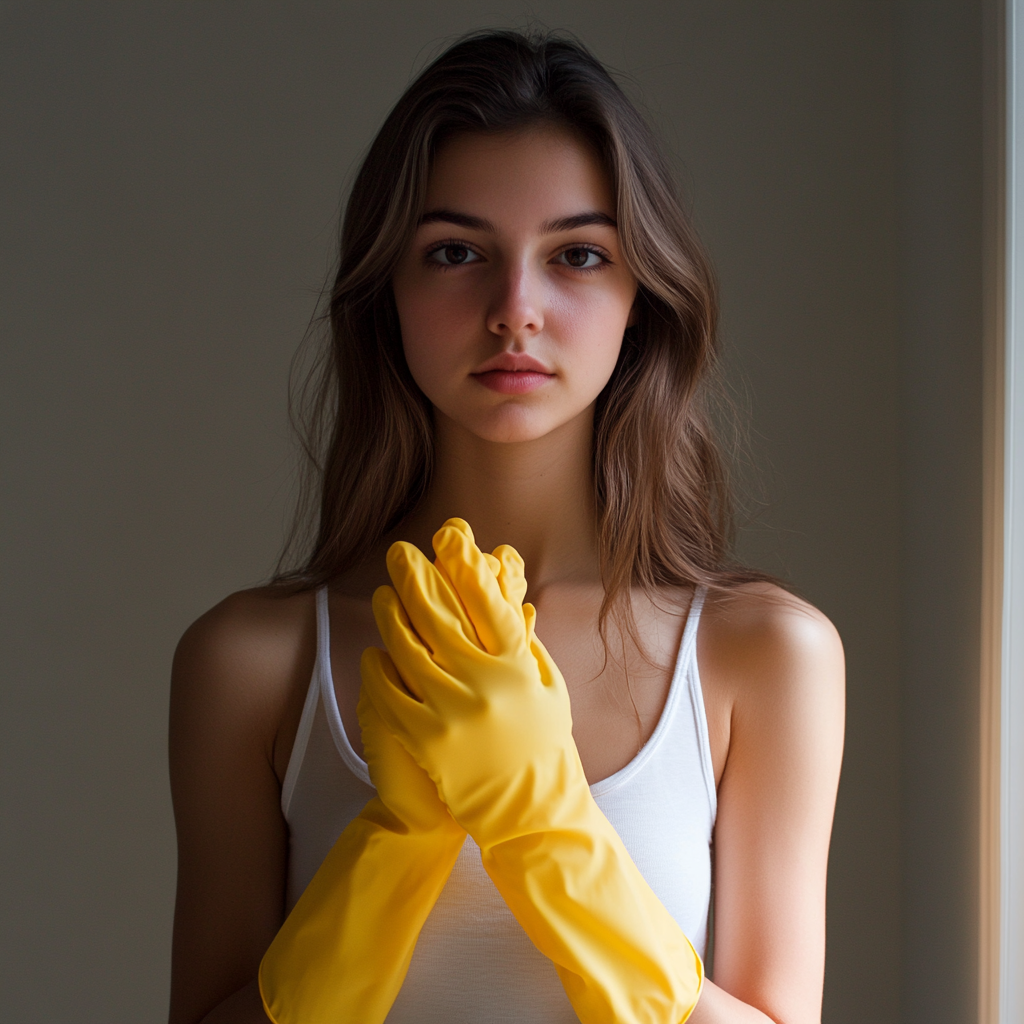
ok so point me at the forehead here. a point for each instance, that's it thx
(539, 170)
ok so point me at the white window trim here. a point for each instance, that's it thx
(1012, 660)
(1001, 978)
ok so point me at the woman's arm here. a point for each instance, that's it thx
(239, 676)
(779, 663)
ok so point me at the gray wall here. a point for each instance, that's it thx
(940, 199)
(170, 177)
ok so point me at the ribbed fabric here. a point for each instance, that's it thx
(473, 963)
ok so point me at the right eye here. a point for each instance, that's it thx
(452, 255)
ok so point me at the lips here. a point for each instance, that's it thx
(513, 362)
(513, 382)
(513, 373)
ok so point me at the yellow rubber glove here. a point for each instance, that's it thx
(479, 703)
(342, 954)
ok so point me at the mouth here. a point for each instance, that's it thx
(513, 373)
(512, 382)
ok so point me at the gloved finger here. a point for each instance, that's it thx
(498, 624)
(529, 619)
(402, 713)
(424, 672)
(550, 673)
(511, 574)
(468, 630)
(493, 564)
(430, 600)
(404, 787)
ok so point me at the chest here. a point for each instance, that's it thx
(616, 689)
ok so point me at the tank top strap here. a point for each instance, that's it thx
(688, 643)
(298, 754)
(324, 673)
(696, 697)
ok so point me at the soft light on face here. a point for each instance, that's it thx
(513, 296)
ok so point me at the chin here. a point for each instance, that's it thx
(516, 428)
(511, 435)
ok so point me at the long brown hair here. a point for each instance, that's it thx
(662, 505)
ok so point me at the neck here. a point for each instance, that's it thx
(536, 495)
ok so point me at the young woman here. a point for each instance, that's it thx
(522, 332)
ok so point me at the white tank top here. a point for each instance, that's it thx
(473, 963)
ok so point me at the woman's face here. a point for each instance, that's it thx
(513, 295)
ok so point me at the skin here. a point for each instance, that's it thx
(508, 280)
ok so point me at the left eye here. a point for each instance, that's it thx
(581, 259)
(453, 255)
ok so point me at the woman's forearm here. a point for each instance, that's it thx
(243, 1007)
(716, 1006)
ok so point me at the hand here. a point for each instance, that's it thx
(469, 689)
(407, 798)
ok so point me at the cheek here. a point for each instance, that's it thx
(592, 328)
(432, 335)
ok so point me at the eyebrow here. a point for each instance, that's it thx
(578, 220)
(465, 220)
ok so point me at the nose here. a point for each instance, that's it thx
(517, 304)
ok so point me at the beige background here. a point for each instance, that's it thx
(170, 176)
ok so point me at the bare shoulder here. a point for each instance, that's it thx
(258, 630)
(772, 671)
(759, 635)
(247, 661)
